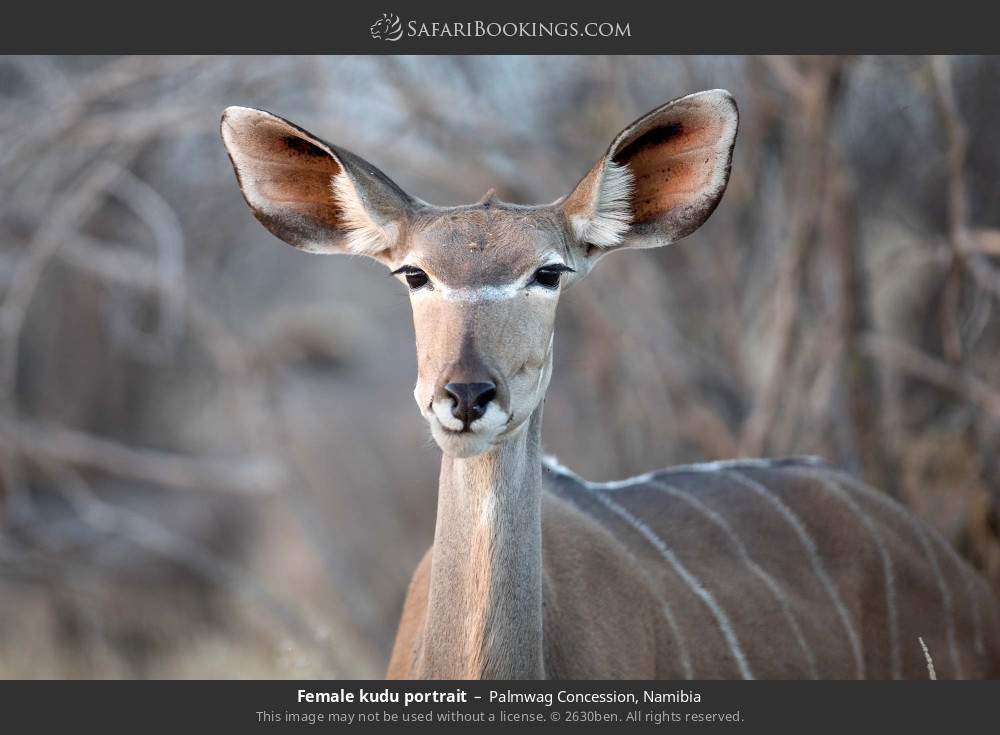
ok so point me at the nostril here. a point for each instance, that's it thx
(454, 391)
(481, 394)
(484, 398)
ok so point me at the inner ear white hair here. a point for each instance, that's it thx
(362, 234)
(610, 215)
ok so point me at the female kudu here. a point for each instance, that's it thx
(752, 568)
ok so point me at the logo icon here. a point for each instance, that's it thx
(387, 28)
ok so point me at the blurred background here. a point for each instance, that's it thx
(211, 461)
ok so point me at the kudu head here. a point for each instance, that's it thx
(484, 278)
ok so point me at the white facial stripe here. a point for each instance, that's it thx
(489, 292)
(483, 293)
(480, 293)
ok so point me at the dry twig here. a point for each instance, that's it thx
(41, 441)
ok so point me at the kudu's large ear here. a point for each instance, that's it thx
(661, 177)
(313, 195)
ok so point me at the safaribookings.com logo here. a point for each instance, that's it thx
(390, 28)
(387, 28)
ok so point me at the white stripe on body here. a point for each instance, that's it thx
(692, 582)
(924, 538)
(888, 574)
(814, 559)
(754, 568)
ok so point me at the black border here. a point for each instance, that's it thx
(334, 27)
(835, 707)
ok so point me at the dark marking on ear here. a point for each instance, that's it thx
(656, 137)
(298, 145)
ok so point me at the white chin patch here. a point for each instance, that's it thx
(465, 444)
(477, 440)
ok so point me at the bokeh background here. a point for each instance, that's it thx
(211, 462)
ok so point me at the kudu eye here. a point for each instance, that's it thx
(415, 278)
(548, 275)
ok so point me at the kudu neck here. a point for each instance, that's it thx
(484, 616)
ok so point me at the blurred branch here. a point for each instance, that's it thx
(98, 86)
(849, 409)
(984, 241)
(119, 266)
(65, 217)
(149, 206)
(154, 537)
(911, 360)
(240, 362)
(47, 442)
(461, 152)
(80, 203)
(985, 274)
(816, 98)
(794, 82)
(955, 137)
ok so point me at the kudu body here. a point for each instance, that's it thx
(752, 568)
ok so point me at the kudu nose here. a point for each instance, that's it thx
(469, 400)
